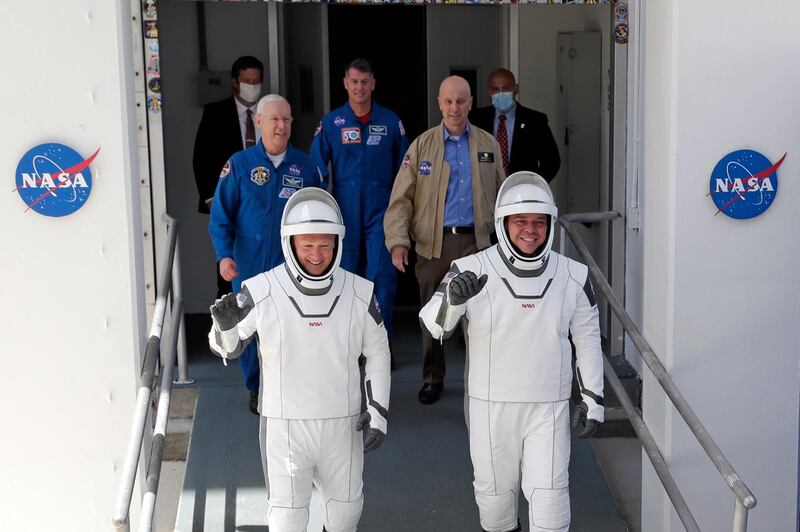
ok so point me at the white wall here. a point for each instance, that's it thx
(462, 36)
(232, 30)
(72, 320)
(721, 295)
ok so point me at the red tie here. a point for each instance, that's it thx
(502, 140)
(249, 130)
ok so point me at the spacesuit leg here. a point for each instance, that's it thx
(339, 469)
(495, 448)
(290, 452)
(545, 462)
(262, 446)
(380, 270)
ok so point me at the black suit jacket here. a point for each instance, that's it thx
(218, 137)
(533, 147)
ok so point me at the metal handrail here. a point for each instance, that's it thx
(147, 377)
(745, 500)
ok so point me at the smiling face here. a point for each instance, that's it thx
(314, 252)
(527, 232)
(275, 122)
(359, 86)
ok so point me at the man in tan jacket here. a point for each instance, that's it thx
(443, 198)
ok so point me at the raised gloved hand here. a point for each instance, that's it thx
(374, 436)
(464, 286)
(226, 312)
(589, 425)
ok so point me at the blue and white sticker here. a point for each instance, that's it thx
(378, 130)
(259, 175)
(286, 192)
(292, 181)
(54, 179)
(373, 140)
(339, 120)
(744, 184)
(425, 168)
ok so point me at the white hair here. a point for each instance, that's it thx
(269, 98)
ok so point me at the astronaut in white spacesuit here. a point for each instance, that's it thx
(312, 321)
(519, 301)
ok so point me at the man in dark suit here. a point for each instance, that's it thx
(525, 139)
(227, 126)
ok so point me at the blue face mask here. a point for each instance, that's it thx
(503, 101)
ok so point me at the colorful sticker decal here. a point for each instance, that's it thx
(154, 103)
(152, 45)
(621, 33)
(153, 66)
(154, 85)
(54, 180)
(744, 184)
(351, 135)
(151, 29)
(425, 168)
(149, 10)
(259, 175)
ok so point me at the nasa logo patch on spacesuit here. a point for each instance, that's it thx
(373, 140)
(259, 175)
(295, 169)
(351, 135)
(339, 120)
(425, 168)
(225, 170)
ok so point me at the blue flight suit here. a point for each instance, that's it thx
(246, 219)
(364, 160)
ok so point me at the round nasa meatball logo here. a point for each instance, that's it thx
(54, 180)
(744, 184)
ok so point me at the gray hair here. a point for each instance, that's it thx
(269, 98)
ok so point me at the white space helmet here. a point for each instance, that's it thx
(311, 211)
(524, 193)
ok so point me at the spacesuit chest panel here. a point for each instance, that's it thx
(311, 372)
(518, 335)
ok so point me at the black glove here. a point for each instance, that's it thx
(465, 285)
(589, 425)
(374, 436)
(226, 312)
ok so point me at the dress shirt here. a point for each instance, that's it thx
(458, 202)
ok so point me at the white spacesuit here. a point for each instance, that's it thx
(519, 360)
(311, 330)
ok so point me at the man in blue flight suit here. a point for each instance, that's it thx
(365, 144)
(248, 203)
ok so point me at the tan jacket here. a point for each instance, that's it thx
(416, 207)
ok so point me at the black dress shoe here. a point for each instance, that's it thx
(429, 393)
(254, 403)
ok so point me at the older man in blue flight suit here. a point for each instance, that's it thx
(248, 203)
(365, 144)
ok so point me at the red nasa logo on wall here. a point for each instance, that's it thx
(54, 180)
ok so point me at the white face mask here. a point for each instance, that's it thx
(249, 93)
